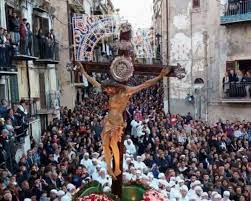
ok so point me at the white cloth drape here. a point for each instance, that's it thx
(2, 14)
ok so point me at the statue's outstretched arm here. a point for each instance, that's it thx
(88, 77)
(149, 83)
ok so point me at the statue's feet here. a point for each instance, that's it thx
(117, 172)
(110, 172)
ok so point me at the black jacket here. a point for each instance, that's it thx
(14, 24)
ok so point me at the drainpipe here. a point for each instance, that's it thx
(167, 55)
(205, 34)
(28, 83)
(192, 57)
(29, 92)
(70, 39)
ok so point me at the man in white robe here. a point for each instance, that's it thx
(93, 167)
(226, 196)
(95, 174)
(86, 161)
(183, 193)
(139, 164)
(198, 192)
(104, 179)
(153, 181)
(191, 192)
(204, 196)
(130, 147)
(134, 124)
(70, 192)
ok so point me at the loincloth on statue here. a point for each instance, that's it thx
(113, 128)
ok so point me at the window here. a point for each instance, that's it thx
(196, 3)
(9, 11)
(244, 65)
(230, 65)
(40, 23)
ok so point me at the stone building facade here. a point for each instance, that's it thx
(208, 41)
(62, 23)
(31, 76)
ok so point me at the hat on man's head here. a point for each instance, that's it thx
(161, 175)
(217, 196)
(198, 188)
(184, 188)
(204, 194)
(107, 189)
(70, 187)
(54, 191)
(197, 183)
(226, 194)
(60, 193)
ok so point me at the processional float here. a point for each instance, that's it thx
(87, 33)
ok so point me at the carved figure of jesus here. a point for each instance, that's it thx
(114, 123)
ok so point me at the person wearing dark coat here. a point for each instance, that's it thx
(14, 27)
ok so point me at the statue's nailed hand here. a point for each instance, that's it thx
(164, 72)
(80, 67)
(78, 64)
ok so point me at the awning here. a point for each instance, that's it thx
(77, 8)
(41, 10)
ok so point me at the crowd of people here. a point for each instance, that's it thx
(184, 159)
(13, 126)
(18, 38)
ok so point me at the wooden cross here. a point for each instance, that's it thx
(140, 69)
(143, 69)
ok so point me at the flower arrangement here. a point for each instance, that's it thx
(95, 197)
(138, 183)
(153, 195)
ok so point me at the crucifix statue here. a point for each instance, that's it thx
(119, 95)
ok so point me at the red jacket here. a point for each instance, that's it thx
(23, 31)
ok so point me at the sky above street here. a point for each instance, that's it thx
(137, 12)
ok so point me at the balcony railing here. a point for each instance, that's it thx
(6, 52)
(236, 11)
(45, 49)
(50, 103)
(237, 90)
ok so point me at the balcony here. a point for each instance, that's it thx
(236, 11)
(46, 51)
(100, 7)
(6, 68)
(44, 54)
(237, 92)
(49, 103)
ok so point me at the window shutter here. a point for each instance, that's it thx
(45, 25)
(14, 89)
(230, 65)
